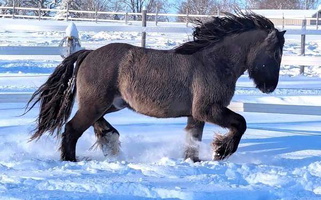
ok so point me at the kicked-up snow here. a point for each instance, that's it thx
(279, 156)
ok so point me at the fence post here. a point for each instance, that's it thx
(13, 8)
(70, 46)
(304, 23)
(318, 20)
(96, 13)
(282, 21)
(39, 11)
(187, 13)
(71, 40)
(144, 18)
(67, 11)
(126, 17)
(156, 16)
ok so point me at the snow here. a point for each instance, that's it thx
(278, 157)
(72, 31)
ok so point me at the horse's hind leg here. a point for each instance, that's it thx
(83, 119)
(107, 135)
(224, 146)
(194, 132)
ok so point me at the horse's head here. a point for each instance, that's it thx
(264, 61)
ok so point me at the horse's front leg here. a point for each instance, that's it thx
(194, 132)
(225, 145)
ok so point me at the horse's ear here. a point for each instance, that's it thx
(282, 33)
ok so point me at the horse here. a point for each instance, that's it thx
(196, 80)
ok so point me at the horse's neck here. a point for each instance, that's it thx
(232, 52)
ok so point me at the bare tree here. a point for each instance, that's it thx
(88, 5)
(152, 6)
(200, 7)
(9, 3)
(206, 7)
(42, 4)
(282, 4)
(32, 4)
(115, 5)
(229, 5)
(310, 4)
(277, 4)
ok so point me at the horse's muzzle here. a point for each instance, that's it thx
(266, 89)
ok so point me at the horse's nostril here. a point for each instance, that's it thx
(269, 90)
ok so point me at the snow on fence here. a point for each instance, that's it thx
(29, 50)
(275, 108)
(301, 61)
(68, 45)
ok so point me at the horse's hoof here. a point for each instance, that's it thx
(109, 144)
(68, 159)
(67, 156)
(220, 148)
(194, 159)
(218, 157)
(220, 153)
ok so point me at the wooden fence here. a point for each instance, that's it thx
(126, 17)
(275, 108)
(235, 106)
(24, 50)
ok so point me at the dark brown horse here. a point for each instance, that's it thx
(196, 80)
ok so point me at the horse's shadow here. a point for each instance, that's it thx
(297, 147)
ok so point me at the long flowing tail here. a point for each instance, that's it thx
(56, 96)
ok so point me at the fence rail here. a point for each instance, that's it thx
(25, 50)
(275, 108)
(301, 60)
(15, 26)
(235, 106)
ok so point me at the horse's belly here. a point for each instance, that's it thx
(161, 108)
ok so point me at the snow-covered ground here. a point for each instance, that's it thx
(279, 156)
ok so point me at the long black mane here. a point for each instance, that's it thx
(206, 33)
